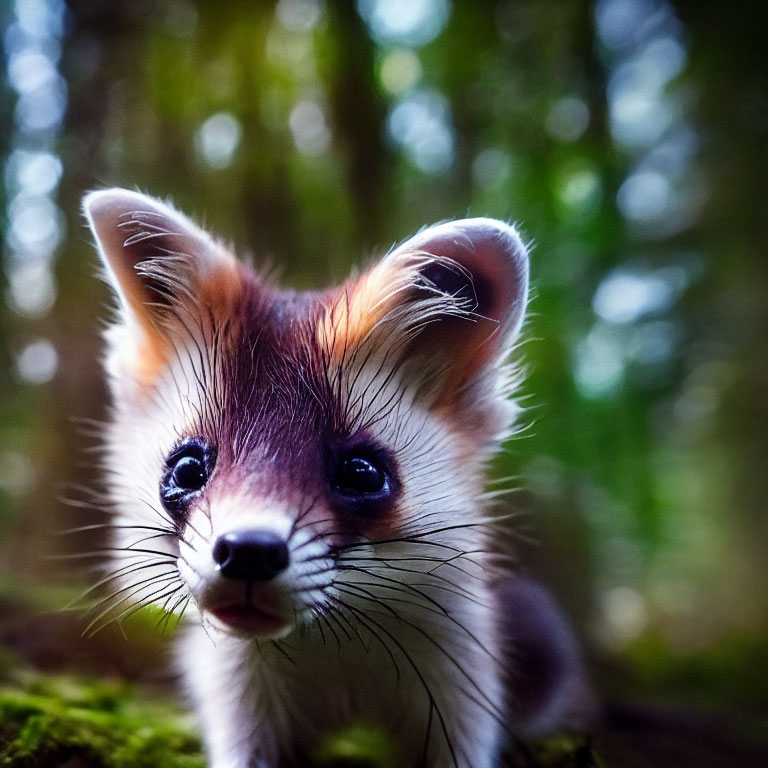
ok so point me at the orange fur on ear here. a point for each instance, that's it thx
(363, 305)
(161, 266)
(452, 297)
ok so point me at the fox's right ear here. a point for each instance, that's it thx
(171, 279)
(156, 259)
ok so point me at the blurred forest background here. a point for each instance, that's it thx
(628, 139)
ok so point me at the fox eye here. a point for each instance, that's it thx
(189, 474)
(363, 480)
(186, 472)
(359, 476)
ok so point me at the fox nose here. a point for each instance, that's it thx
(251, 555)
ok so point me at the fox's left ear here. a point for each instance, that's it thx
(447, 305)
(483, 265)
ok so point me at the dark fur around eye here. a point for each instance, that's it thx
(187, 470)
(362, 478)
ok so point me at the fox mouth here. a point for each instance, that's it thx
(249, 620)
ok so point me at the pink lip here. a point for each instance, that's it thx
(249, 620)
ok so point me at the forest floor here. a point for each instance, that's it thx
(54, 717)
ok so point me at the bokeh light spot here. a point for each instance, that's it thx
(421, 125)
(37, 362)
(217, 140)
(404, 22)
(309, 128)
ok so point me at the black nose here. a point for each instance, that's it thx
(251, 555)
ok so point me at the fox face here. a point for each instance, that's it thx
(280, 433)
(298, 467)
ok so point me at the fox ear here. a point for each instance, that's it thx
(164, 270)
(447, 305)
(155, 258)
(480, 266)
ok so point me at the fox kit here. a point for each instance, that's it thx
(302, 475)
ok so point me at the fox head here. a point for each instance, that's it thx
(270, 451)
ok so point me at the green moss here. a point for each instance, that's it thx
(63, 721)
(66, 721)
(359, 746)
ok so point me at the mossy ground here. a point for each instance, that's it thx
(108, 714)
(74, 721)
(63, 721)
(48, 721)
(113, 712)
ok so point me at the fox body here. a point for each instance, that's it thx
(302, 475)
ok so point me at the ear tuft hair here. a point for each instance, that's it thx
(155, 257)
(453, 280)
(446, 305)
(163, 269)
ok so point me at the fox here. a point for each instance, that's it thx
(301, 476)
